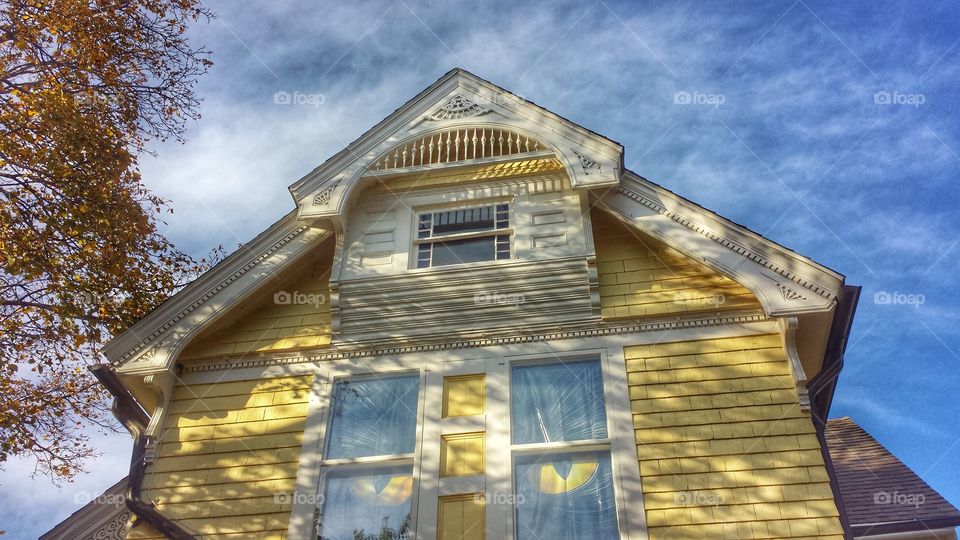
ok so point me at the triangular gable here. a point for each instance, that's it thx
(784, 283)
(477, 112)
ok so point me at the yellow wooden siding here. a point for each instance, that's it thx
(641, 276)
(271, 325)
(228, 455)
(462, 454)
(461, 517)
(463, 395)
(725, 450)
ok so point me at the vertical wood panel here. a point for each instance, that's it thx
(461, 517)
(463, 395)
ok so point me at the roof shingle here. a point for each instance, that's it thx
(876, 487)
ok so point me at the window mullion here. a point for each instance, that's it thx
(499, 504)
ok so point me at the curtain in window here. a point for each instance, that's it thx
(373, 417)
(367, 504)
(557, 402)
(565, 497)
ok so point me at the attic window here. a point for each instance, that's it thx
(463, 235)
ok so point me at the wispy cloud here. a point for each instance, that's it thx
(800, 149)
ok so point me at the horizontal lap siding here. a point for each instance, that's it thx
(227, 450)
(725, 450)
(272, 326)
(641, 276)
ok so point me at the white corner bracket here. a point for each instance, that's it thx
(162, 383)
(788, 331)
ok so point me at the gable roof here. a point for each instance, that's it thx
(881, 494)
(785, 283)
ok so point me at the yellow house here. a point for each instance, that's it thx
(477, 324)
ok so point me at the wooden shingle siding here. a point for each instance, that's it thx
(268, 325)
(227, 452)
(641, 276)
(725, 450)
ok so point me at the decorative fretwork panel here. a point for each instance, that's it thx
(452, 145)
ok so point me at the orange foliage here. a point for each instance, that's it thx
(84, 84)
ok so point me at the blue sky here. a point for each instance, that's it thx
(830, 127)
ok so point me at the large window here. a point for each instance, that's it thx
(518, 447)
(463, 236)
(367, 471)
(561, 467)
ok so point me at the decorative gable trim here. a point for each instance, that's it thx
(459, 100)
(148, 346)
(527, 335)
(747, 258)
(457, 107)
(589, 165)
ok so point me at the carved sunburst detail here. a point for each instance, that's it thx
(789, 294)
(457, 107)
(323, 198)
(590, 165)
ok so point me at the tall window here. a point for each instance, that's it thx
(463, 236)
(561, 448)
(367, 469)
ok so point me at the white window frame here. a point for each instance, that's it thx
(416, 241)
(608, 444)
(494, 362)
(360, 463)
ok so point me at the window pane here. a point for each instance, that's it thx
(367, 504)
(461, 221)
(565, 496)
(557, 402)
(463, 251)
(373, 417)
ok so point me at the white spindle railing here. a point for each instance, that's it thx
(456, 145)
